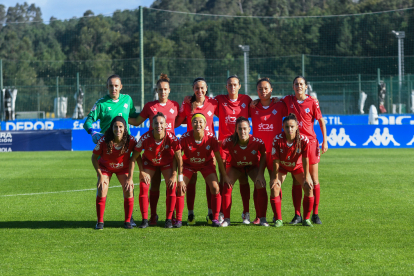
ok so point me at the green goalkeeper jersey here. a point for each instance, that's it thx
(106, 109)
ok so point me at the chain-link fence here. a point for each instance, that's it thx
(342, 57)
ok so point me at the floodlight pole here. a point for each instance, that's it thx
(246, 49)
(400, 36)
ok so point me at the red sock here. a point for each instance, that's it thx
(215, 205)
(245, 195)
(277, 207)
(307, 206)
(297, 198)
(170, 202)
(179, 207)
(256, 203)
(128, 208)
(226, 200)
(143, 199)
(208, 195)
(154, 196)
(317, 195)
(191, 194)
(262, 203)
(100, 207)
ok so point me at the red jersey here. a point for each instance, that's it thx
(114, 162)
(286, 154)
(196, 155)
(246, 156)
(267, 122)
(158, 154)
(228, 112)
(169, 109)
(208, 110)
(306, 112)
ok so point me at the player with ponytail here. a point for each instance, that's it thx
(114, 150)
(290, 154)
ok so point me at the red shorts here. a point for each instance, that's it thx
(297, 171)
(108, 172)
(149, 166)
(244, 169)
(224, 155)
(206, 170)
(314, 153)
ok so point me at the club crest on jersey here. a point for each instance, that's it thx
(307, 110)
(126, 105)
(208, 147)
(153, 109)
(167, 146)
(209, 113)
(109, 108)
(274, 111)
(145, 163)
(172, 111)
(243, 105)
(254, 152)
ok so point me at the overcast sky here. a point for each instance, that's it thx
(64, 9)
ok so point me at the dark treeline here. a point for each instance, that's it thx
(96, 46)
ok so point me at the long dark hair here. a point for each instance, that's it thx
(292, 116)
(193, 98)
(109, 136)
(235, 136)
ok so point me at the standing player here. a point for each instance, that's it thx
(114, 150)
(307, 111)
(107, 108)
(170, 110)
(198, 146)
(202, 104)
(290, 151)
(267, 118)
(112, 105)
(163, 151)
(247, 156)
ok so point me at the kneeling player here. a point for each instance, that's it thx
(114, 149)
(290, 151)
(161, 150)
(198, 146)
(245, 151)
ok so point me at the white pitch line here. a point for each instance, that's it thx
(70, 191)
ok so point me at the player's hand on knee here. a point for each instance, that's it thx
(182, 187)
(143, 176)
(227, 180)
(260, 181)
(129, 185)
(308, 183)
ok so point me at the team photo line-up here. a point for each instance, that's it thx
(283, 141)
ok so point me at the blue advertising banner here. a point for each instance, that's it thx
(44, 140)
(50, 124)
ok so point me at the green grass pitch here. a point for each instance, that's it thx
(47, 215)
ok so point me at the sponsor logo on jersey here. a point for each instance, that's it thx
(379, 139)
(126, 105)
(209, 113)
(241, 163)
(116, 165)
(265, 127)
(288, 164)
(243, 105)
(197, 160)
(307, 110)
(172, 111)
(6, 137)
(274, 111)
(230, 120)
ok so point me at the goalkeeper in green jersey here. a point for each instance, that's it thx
(112, 105)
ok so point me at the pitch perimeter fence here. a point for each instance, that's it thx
(342, 57)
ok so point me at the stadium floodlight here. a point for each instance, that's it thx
(400, 36)
(246, 49)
